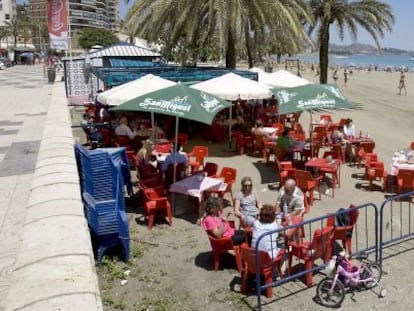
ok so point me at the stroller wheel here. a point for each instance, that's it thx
(383, 293)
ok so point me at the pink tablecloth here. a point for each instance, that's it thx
(192, 186)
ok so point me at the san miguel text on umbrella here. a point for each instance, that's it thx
(176, 104)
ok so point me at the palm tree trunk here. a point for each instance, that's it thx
(230, 51)
(248, 46)
(323, 56)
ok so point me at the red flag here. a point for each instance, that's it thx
(57, 13)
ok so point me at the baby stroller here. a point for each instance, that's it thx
(344, 275)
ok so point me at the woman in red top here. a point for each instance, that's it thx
(217, 226)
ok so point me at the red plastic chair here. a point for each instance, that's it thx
(368, 146)
(182, 139)
(106, 137)
(360, 156)
(210, 168)
(309, 251)
(228, 175)
(180, 173)
(307, 183)
(163, 147)
(285, 170)
(122, 140)
(150, 182)
(337, 148)
(412, 145)
(266, 264)
(156, 200)
(221, 245)
(243, 142)
(405, 180)
(370, 160)
(280, 128)
(377, 172)
(344, 233)
(196, 157)
(334, 170)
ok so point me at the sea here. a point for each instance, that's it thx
(394, 62)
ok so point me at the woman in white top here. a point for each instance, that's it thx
(265, 224)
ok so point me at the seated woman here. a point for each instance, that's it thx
(217, 226)
(146, 155)
(265, 223)
(338, 137)
(247, 202)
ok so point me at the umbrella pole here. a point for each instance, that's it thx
(153, 126)
(175, 162)
(310, 132)
(230, 118)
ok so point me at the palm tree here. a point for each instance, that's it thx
(14, 28)
(197, 20)
(4, 33)
(372, 15)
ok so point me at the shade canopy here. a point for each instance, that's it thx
(232, 87)
(311, 97)
(283, 78)
(179, 101)
(125, 92)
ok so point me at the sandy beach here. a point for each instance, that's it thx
(171, 267)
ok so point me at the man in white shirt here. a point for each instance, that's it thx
(123, 130)
(349, 128)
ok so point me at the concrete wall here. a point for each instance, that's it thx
(55, 268)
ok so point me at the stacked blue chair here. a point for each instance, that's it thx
(103, 174)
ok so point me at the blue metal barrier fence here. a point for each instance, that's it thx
(364, 240)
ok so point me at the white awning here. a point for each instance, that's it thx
(124, 50)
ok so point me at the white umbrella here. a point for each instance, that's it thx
(125, 92)
(232, 87)
(283, 78)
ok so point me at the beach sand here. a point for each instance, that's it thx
(171, 267)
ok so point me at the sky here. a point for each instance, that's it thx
(400, 37)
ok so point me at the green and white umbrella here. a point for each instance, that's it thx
(179, 101)
(311, 97)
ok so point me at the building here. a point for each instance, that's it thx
(83, 13)
(7, 11)
(95, 13)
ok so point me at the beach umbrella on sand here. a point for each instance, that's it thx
(283, 78)
(179, 101)
(311, 97)
(125, 92)
(232, 87)
(130, 90)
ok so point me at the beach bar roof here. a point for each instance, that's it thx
(116, 76)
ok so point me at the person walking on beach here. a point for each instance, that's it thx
(335, 75)
(345, 76)
(402, 83)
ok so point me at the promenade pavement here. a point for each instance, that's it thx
(46, 259)
(24, 101)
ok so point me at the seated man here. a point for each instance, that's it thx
(259, 130)
(284, 143)
(290, 199)
(174, 154)
(123, 130)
